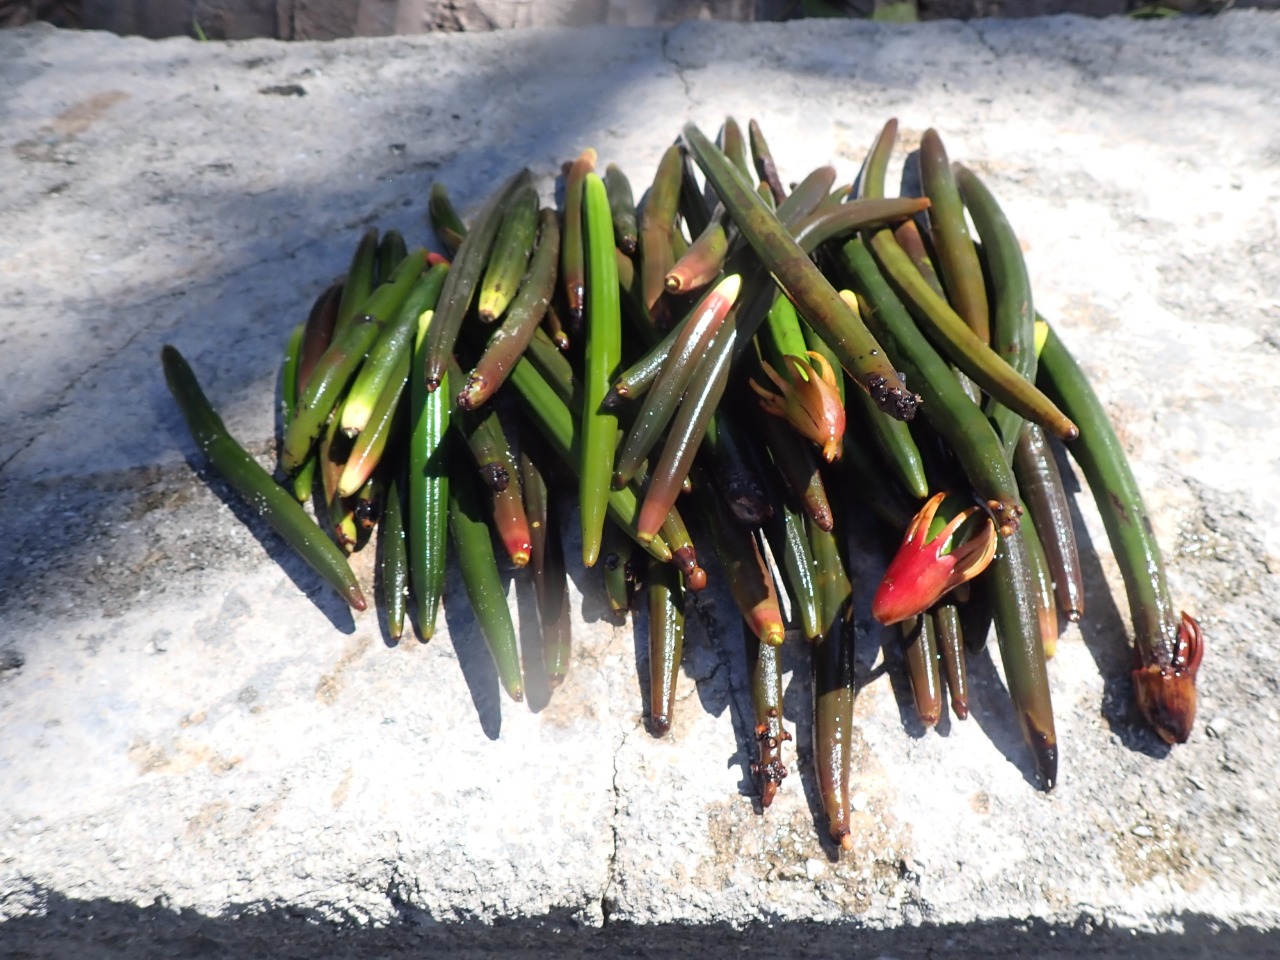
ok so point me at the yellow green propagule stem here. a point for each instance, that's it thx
(603, 357)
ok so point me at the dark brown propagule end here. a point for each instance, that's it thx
(1166, 695)
(895, 401)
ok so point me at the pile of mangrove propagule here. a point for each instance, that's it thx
(756, 357)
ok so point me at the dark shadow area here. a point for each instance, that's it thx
(474, 659)
(797, 710)
(537, 688)
(308, 582)
(1106, 634)
(992, 710)
(71, 929)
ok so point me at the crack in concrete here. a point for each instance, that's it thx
(611, 877)
(978, 32)
(676, 64)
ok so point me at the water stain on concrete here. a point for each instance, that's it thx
(329, 688)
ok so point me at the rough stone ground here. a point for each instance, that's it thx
(202, 751)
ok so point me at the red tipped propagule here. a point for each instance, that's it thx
(925, 568)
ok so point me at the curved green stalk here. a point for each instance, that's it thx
(957, 259)
(464, 276)
(603, 355)
(483, 582)
(812, 293)
(271, 501)
(1167, 650)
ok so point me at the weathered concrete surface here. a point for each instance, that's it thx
(201, 748)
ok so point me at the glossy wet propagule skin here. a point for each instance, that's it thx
(614, 358)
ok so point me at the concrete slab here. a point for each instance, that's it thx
(203, 751)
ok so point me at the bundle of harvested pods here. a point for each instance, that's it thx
(743, 349)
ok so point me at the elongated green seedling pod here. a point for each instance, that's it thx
(947, 408)
(1167, 649)
(553, 326)
(920, 647)
(530, 305)
(1012, 315)
(797, 464)
(1042, 581)
(762, 157)
(737, 468)
(734, 146)
(552, 418)
(912, 244)
(361, 279)
(666, 643)
(683, 555)
(318, 333)
(428, 527)
(302, 482)
(765, 662)
(555, 367)
(750, 582)
(635, 381)
(289, 373)
(603, 358)
(812, 293)
(345, 354)
(669, 385)
(782, 332)
(271, 501)
(500, 475)
(483, 583)
(546, 559)
(464, 276)
(704, 259)
(806, 197)
(622, 206)
(393, 560)
(393, 344)
(510, 256)
(894, 441)
(369, 447)
(1045, 497)
(695, 207)
(896, 445)
(840, 220)
(1012, 596)
(832, 655)
(789, 542)
(657, 226)
(615, 557)
(950, 642)
(688, 428)
(391, 250)
(957, 260)
(962, 346)
(572, 247)
(448, 226)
